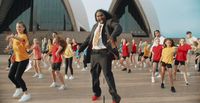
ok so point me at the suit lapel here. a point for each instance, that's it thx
(92, 32)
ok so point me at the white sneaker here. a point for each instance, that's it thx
(71, 77)
(115, 67)
(157, 73)
(152, 79)
(78, 66)
(41, 76)
(135, 66)
(29, 66)
(66, 77)
(83, 69)
(25, 98)
(17, 93)
(195, 66)
(53, 85)
(50, 68)
(158, 76)
(35, 75)
(188, 74)
(45, 65)
(145, 65)
(62, 87)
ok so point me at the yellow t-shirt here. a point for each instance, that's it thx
(146, 51)
(167, 55)
(68, 51)
(20, 48)
(49, 47)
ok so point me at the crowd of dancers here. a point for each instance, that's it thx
(159, 55)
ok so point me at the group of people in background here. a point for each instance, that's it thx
(159, 55)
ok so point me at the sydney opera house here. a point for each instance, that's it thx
(59, 15)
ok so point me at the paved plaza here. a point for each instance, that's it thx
(135, 87)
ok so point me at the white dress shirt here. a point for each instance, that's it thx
(100, 44)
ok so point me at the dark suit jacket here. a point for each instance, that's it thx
(111, 28)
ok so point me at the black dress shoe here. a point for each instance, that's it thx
(117, 100)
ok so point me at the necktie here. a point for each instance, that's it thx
(97, 35)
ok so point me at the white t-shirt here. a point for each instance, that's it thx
(161, 41)
(191, 40)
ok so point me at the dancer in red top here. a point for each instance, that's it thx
(133, 52)
(57, 50)
(156, 54)
(181, 57)
(37, 55)
(125, 56)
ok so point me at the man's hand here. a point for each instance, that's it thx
(112, 42)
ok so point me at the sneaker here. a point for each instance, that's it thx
(78, 66)
(50, 68)
(62, 87)
(157, 73)
(188, 74)
(145, 65)
(158, 76)
(40, 76)
(173, 90)
(35, 75)
(125, 69)
(135, 66)
(129, 70)
(152, 79)
(17, 93)
(71, 77)
(195, 66)
(84, 69)
(53, 85)
(162, 85)
(45, 65)
(25, 98)
(94, 98)
(66, 77)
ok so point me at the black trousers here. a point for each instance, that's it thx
(68, 64)
(100, 60)
(16, 72)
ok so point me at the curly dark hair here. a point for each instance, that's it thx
(107, 14)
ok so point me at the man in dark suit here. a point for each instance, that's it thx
(100, 42)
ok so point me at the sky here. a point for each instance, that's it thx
(175, 16)
(92, 5)
(178, 16)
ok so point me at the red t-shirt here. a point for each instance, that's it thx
(36, 52)
(181, 54)
(125, 51)
(134, 48)
(56, 59)
(157, 50)
(74, 47)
